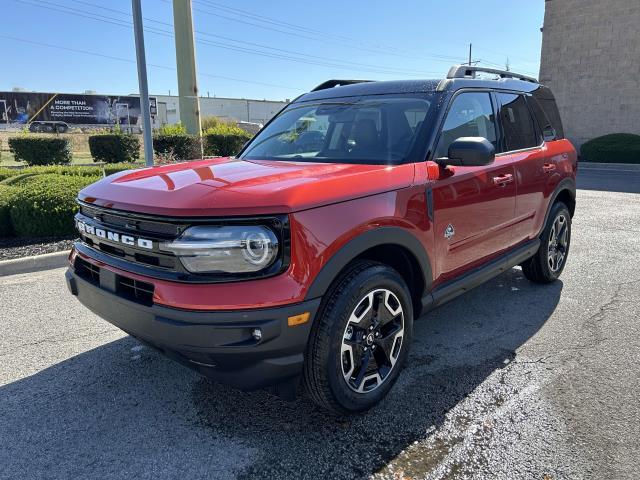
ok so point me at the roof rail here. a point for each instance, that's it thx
(337, 83)
(467, 71)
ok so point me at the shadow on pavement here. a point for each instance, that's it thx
(101, 414)
(603, 179)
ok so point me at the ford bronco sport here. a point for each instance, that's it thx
(359, 207)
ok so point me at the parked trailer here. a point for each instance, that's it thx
(56, 112)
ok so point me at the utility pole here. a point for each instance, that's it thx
(145, 109)
(470, 45)
(186, 64)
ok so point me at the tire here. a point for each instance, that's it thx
(344, 332)
(61, 128)
(549, 261)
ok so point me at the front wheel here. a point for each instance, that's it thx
(549, 261)
(361, 339)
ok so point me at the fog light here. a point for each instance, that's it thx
(256, 333)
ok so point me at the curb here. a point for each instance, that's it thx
(608, 166)
(34, 263)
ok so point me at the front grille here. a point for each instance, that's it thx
(136, 223)
(135, 226)
(87, 271)
(134, 290)
(134, 242)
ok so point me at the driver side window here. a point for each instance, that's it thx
(470, 115)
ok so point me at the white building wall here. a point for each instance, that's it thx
(235, 109)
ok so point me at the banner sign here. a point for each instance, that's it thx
(25, 107)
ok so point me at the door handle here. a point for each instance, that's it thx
(502, 180)
(549, 167)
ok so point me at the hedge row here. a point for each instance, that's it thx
(613, 148)
(42, 205)
(40, 150)
(7, 174)
(114, 148)
(187, 147)
(179, 146)
(169, 143)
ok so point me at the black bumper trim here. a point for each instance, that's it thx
(218, 344)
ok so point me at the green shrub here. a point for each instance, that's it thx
(177, 146)
(6, 195)
(175, 129)
(224, 145)
(47, 206)
(7, 172)
(40, 150)
(7, 175)
(612, 148)
(114, 148)
(17, 180)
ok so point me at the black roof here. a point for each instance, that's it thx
(416, 86)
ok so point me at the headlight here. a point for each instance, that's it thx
(225, 249)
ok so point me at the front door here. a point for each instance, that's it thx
(473, 207)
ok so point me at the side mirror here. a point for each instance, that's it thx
(470, 152)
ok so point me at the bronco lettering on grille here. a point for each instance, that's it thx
(114, 236)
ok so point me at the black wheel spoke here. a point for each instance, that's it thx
(362, 370)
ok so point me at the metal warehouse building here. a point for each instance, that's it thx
(590, 53)
(236, 109)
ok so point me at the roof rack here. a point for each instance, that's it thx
(467, 71)
(337, 83)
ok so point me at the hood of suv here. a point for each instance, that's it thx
(229, 186)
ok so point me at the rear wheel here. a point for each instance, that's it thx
(361, 339)
(549, 261)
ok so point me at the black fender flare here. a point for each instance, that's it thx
(363, 242)
(568, 184)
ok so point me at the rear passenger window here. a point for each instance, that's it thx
(470, 115)
(517, 122)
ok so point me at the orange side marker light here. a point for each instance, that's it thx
(298, 319)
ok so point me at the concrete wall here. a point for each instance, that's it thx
(591, 61)
(257, 111)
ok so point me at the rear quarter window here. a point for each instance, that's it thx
(547, 103)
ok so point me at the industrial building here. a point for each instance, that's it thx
(234, 109)
(590, 52)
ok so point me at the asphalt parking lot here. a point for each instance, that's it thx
(512, 380)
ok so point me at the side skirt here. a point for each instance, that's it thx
(472, 279)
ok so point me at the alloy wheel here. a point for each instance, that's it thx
(372, 340)
(558, 243)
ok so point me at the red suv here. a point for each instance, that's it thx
(358, 208)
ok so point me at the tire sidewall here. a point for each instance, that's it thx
(368, 280)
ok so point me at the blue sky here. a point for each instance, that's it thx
(258, 49)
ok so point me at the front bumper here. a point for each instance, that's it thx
(218, 344)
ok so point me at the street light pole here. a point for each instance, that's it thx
(145, 109)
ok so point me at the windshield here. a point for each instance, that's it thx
(374, 130)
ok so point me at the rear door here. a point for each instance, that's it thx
(473, 206)
(523, 146)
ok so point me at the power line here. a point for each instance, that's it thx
(323, 34)
(200, 32)
(284, 55)
(327, 38)
(128, 60)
